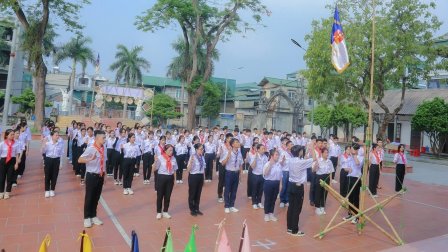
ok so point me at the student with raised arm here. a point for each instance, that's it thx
(195, 168)
(53, 152)
(272, 174)
(354, 180)
(345, 162)
(400, 160)
(323, 168)
(257, 159)
(232, 160)
(374, 170)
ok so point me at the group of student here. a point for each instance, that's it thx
(278, 165)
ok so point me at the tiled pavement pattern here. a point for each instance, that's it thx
(27, 217)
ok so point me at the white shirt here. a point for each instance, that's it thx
(298, 169)
(161, 165)
(131, 150)
(324, 166)
(400, 159)
(287, 155)
(356, 169)
(53, 150)
(94, 166)
(181, 149)
(158, 150)
(235, 160)
(210, 148)
(373, 159)
(110, 142)
(121, 141)
(260, 161)
(275, 173)
(148, 145)
(197, 165)
(334, 149)
(247, 142)
(345, 162)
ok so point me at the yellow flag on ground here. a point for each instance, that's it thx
(86, 244)
(45, 243)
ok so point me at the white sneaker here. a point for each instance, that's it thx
(287, 205)
(375, 196)
(19, 176)
(217, 173)
(130, 191)
(116, 182)
(266, 218)
(166, 215)
(318, 211)
(181, 181)
(177, 181)
(249, 197)
(272, 217)
(1, 195)
(6, 196)
(137, 174)
(234, 210)
(322, 210)
(78, 175)
(125, 191)
(355, 221)
(14, 185)
(120, 183)
(220, 200)
(97, 221)
(52, 194)
(47, 194)
(255, 206)
(282, 205)
(226, 210)
(87, 223)
(260, 205)
(159, 216)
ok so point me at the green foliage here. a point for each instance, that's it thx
(322, 117)
(164, 108)
(432, 118)
(129, 65)
(26, 100)
(2, 95)
(3, 47)
(211, 100)
(77, 50)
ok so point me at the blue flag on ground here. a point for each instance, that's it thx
(134, 247)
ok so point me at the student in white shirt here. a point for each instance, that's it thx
(334, 152)
(148, 156)
(210, 156)
(117, 157)
(9, 162)
(344, 163)
(165, 166)
(82, 145)
(130, 152)
(374, 170)
(196, 168)
(400, 160)
(379, 141)
(21, 148)
(25, 138)
(53, 152)
(232, 160)
(181, 154)
(139, 138)
(110, 144)
(354, 181)
(272, 174)
(222, 151)
(256, 158)
(323, 168)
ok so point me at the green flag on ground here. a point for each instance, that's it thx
(168, 242)
(191, 245)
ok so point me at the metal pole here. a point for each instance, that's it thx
(152, 102)
(312, 117)
(225, 98)
(12, 56)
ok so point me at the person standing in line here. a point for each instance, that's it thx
(195, 140)
(87, 141)
(272, 174)
(345, 162)
(21, 148)
(130, 152)
(381, 155)
(285, 153)
(312, 173)
(165, 166)
(158, 151)
(95, 158)
(9, 153)
(297, 178)
(81, 144)
(148, 157)
(374, 170)
(70, 140)
(334, 152)
(181, 154)
(196, 166)
(400, 160)
(118, 157)
(222, 153)
(139, 138)
(111, 141)
(53, 152)
(25, 138)
(118, 129)
(210, 156)
(233, 162)
(246, 145)
(354, 181)
(323, 168)
(257, 159)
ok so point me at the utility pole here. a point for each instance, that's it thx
(12, 57)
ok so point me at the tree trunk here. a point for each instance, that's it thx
(191, 115)
(72, 87)
(39, 108)
(388, 117)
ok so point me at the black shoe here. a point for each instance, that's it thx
(311, 203)
(199, 212)
(193, 213)
(348, 217)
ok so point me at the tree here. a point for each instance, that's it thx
(322, 117)
(34, 17)
(164, 108)
(78, 51)
(432, 118)
(404, 52)
(211, 101)
(200, 20)
(349, 117)
(27, 101)
(4, 58)
(128, 66)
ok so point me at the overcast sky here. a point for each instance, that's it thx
(266, 52)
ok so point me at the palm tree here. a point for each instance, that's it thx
(78, 51)
(128, 66)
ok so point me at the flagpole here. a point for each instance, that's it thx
(220, 225)
(242, 236)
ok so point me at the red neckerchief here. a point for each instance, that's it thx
(402, 157)
(169, 165)
(345, 155)
(252, 151)
(9, 155)
(101, 151)
(161, 149)
(319, 152)
(376, 157)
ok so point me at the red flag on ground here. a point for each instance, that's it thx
(223, 242)
(245, 240)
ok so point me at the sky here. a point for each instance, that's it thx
(248, 57)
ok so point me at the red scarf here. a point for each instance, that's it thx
(9, 155)
(161, 149)
(252, 151)
(101, 151)
(169, 165)
(345, 155)
(376, 157)
(401, 154)
(319, 152)
(201, 137)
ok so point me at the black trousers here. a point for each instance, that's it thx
(354, 196)
(343, 183)
(94, 187)
(21, 169)
(137, 164)
(295, 194)
(257, 188)
(116, 164)
(6, 174)
(109, 162)
(148, 160)
(209, 158)
(195, 184)
(400, 170)
(249, 182)
(128, 171)
(312, 178)
(165, 185)
(181, 160)
(320, 193)
(51, 170)
(374, 178)
(334, 161)
(221, 179)
(75, 157)
(244, 152)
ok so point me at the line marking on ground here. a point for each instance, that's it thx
(421, 203)
(114, 219)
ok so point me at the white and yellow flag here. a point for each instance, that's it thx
(339, 54)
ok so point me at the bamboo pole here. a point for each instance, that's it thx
(220, 226)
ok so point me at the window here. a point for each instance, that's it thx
(310, 101)
(177, 109)
(292, 95)
(398, 133)
(178, 92)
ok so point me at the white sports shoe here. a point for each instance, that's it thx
(260, 205)
(255, 206)
(226, 210)
(166, 215)
(47, 194)
(52, 194)
(282, 205)
(234, 210)
(272, 217)
(266, 217)
(125, 191)
(130, 191)
(87, 223)
(159, 216)
(97, 221)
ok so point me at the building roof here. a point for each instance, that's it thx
(413, 98)
(279, 82)
(247, 86)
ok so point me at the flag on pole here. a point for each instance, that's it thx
(45, 243)
(97, 65)
(191, 245)
(168, 242)
(86, 244)
(245, 240)
(339, 54)
(134, 247)
(223, 242)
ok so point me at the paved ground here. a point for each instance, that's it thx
(27, 217)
